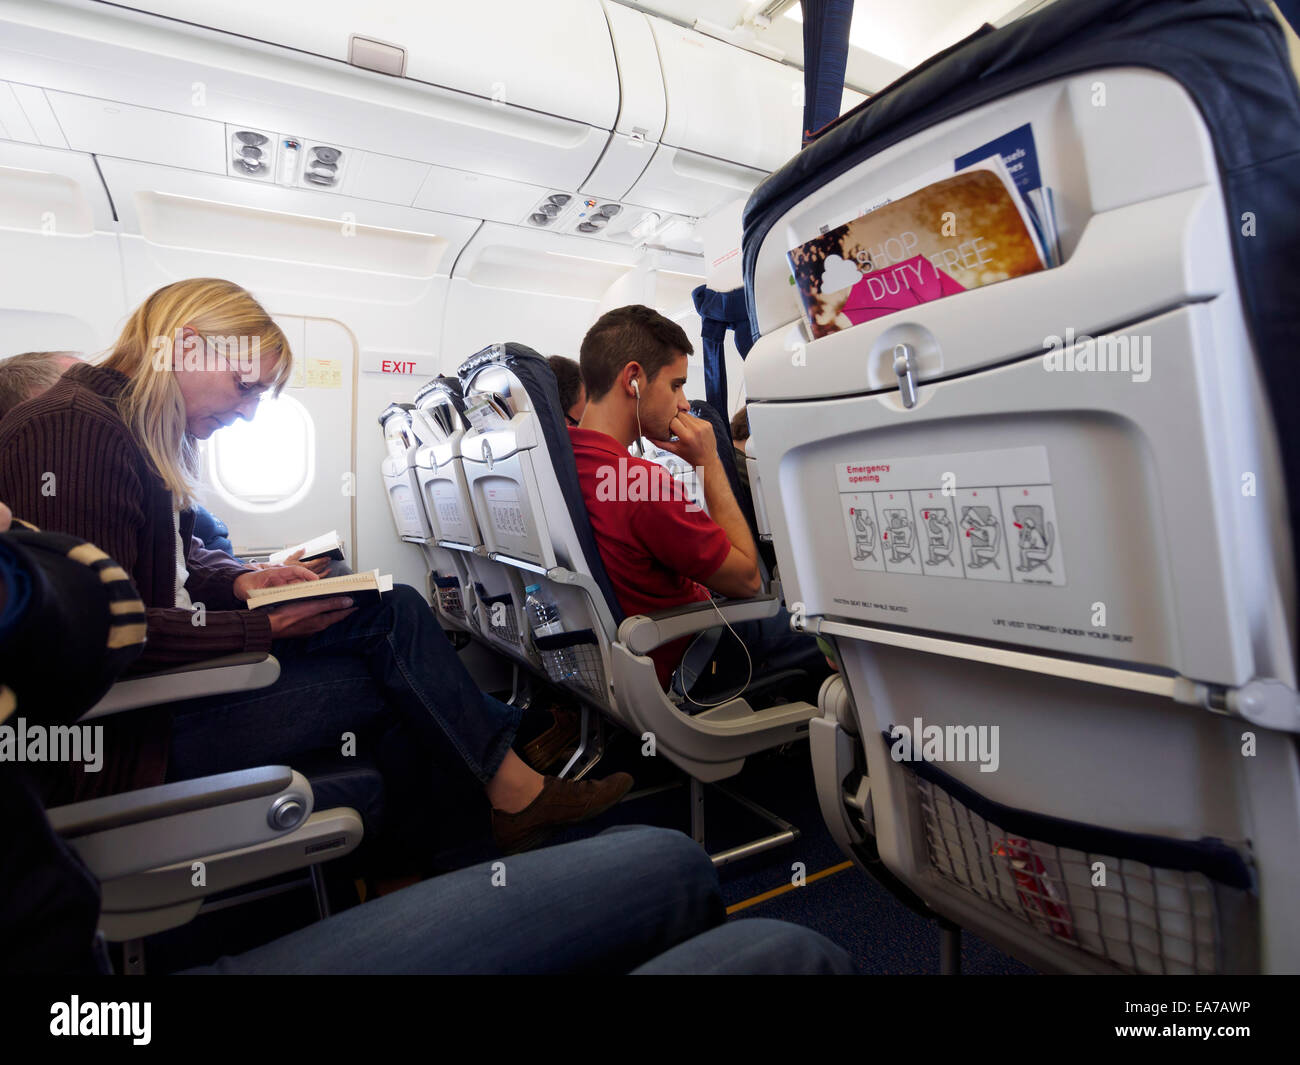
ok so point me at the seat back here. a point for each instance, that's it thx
(397, 470)
(524, 488)
(1092, 765)
(454, 537)
(726, 453)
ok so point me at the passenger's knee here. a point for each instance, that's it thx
(794, 948)
(407, 604)
(674, 855)
(403, 596)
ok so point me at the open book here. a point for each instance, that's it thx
(361, 588)
(327, 545)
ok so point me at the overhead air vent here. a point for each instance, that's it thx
(589, 216)
(323, 166)
(252, 153)
(595, 216)
(546, 213)
(285, 160)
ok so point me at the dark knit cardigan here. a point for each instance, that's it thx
(69, 463)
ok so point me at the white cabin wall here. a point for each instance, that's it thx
(60, 278)
(479, 315)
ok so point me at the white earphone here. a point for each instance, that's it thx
(640, 447)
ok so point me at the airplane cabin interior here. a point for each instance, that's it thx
(822, 472)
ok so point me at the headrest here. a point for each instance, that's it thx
(450, 385)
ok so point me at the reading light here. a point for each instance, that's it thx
(646, 225)
(253, 140)
(289, 149)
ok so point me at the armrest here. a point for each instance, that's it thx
(212, 676)
(128, 833)
(644, 632)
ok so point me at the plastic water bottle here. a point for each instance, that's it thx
(544, 620)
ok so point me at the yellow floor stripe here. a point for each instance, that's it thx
(787, 887)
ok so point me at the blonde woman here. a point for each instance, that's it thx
(109, 454)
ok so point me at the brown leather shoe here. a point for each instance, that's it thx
(561, 802)
(545, 750)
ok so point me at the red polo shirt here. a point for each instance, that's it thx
(656, 546)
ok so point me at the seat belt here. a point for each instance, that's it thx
(825, 56)
(720, 311)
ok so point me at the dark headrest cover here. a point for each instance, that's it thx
(722, 431)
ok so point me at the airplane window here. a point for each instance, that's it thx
(269, 462)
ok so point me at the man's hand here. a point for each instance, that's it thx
(271, 577)
(306, 619)
(695, 440)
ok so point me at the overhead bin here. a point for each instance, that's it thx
(711, 154)
(755, 110)
(722, 117)
(529, 44)
(533, 108)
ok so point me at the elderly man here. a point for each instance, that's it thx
(26, 376)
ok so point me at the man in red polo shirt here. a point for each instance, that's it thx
(660, 550)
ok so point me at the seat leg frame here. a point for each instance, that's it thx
(786, 832)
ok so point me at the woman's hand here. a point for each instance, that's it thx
(319, 566)
(271, 577)
(306, 619)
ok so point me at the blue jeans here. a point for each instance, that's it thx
(388, 665)
(632, 899)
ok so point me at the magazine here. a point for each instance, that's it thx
(962, 232)
(1018, 153)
